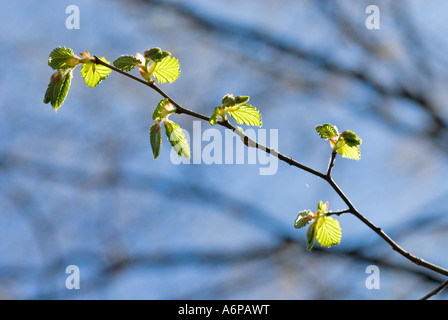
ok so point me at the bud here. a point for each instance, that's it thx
(140, 58)
(57, 76)
(74, 61)
(85, 57)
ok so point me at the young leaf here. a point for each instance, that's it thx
(246, 114)
(228, 101)
(349, 152)
(126, 62)
(167, 70)
(327, 131)
(302, 219)
(177, 139)
(152, 53)
(158, 113)
(311, 236)
(216, 114)
(162, 55)
(156, 138)
(241, 99)
(59, 56)
(94, 73)
(350, 138)
(322, 207)
(58, 88)
(328, 231)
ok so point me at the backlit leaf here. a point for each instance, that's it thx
(156, 138)
(302, 219)
(349, 152)
(59, 56)
(327, 131)
(94, 73)
(166, 70)
(177, 138)
(246, 114)
(58, 89)
(328, 231)
(126, 62)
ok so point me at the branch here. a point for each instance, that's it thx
(327, 177)
(436, 291)
(181, 110)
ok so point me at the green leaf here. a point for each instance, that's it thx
(327, 131)
(153, 52)
(167, 70)
(58, 89)
(241, 99)
(160, 111)
(348, 152)
(156, 138)
(177, 139)
(162, 55)
(228, 101)
(163, 110)
(302, 219)
(214, 118)
(246, 114)
(94, 73)
(350, 138)
(311, 236)
(126, 62)
(59, 56)
(328, 231)
(156, 54)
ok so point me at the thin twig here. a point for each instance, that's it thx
(436, 291)
(327, 177)
(337, 213)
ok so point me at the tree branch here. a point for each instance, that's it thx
(327, 177)
(181, 110)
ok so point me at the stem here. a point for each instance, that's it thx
(331, 164)
(327, 177)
